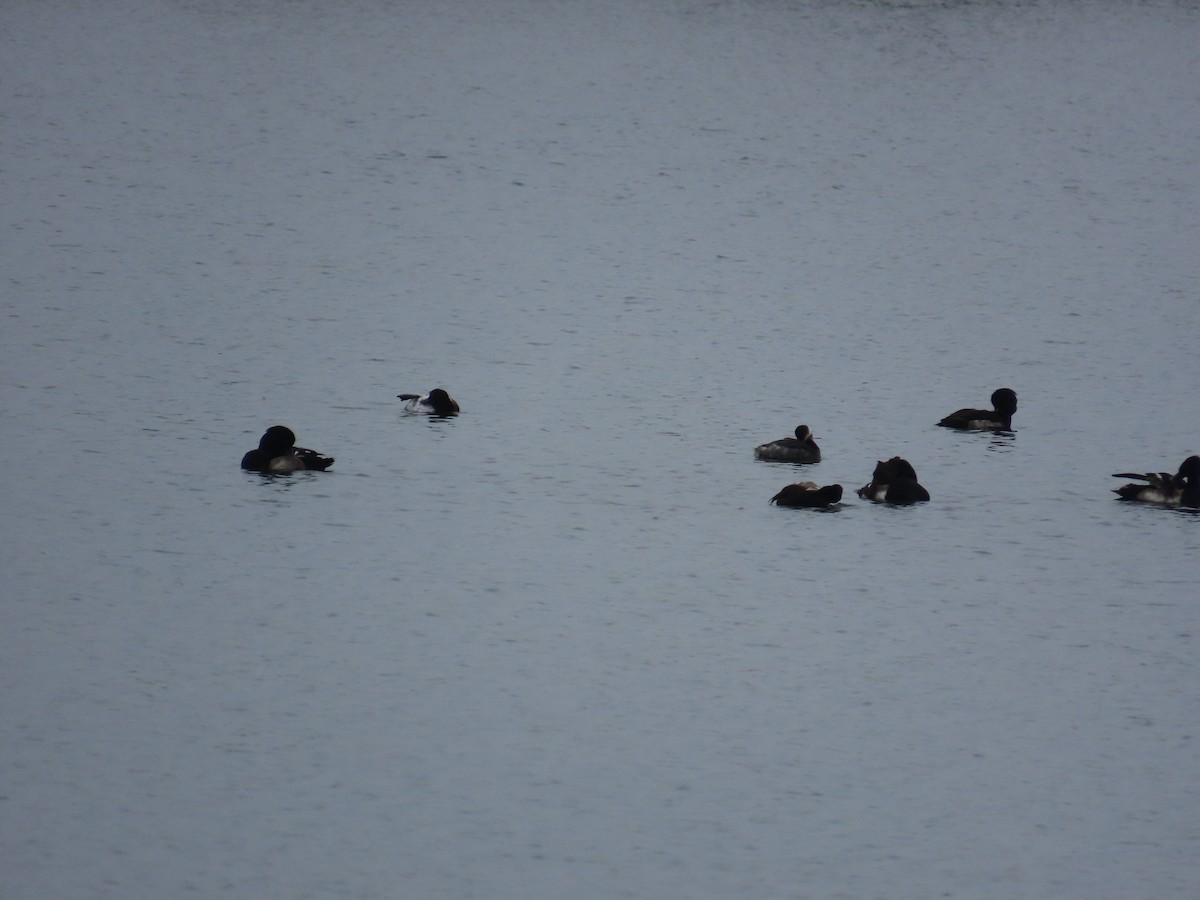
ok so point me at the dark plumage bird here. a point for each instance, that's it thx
(437, 402)
(894, 481)
(1163, 488)
(277, 453)
(806, 493)
(1004, 402)
(800, 449)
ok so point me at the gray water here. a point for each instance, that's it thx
(560, 645)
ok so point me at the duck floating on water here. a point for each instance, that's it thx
(807, 494)
(278, 454)
(1163, 488)
(437, 402)
(800, 449)
(894, 481)
(999, 418)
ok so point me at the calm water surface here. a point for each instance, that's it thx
(561, 645)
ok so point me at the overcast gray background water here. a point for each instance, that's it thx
(561, 646)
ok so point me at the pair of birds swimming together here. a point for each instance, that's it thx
(277, 453)
(803, 449)
(894, 480)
